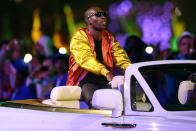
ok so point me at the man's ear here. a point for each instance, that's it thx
(89, 22)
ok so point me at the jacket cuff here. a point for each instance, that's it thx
(104, 71)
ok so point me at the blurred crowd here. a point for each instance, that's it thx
(186, 44)
(20, 80)
(48, 68)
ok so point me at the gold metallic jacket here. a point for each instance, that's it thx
(83, 57)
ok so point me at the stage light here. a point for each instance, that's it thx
(36, 32)
(178, 12)
(62, 50)
(27, 58)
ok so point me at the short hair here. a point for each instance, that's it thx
(87, 12)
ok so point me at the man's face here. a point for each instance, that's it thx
(97, 19)
(184, 46)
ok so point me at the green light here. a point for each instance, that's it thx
(174, 46)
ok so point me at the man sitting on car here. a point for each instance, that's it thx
(94, 53)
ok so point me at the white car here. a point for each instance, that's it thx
(155, 96)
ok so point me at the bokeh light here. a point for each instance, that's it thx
(149, 49)
(62, 50)
(27, 58)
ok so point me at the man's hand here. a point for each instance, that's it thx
(109, 76)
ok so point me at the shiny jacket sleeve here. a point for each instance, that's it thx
(83, 55)
(120, 57)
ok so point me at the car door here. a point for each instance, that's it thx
(141, 109)
(82, 122)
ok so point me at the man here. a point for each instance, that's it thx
(94, 51)
(184, 46)
(60, 62)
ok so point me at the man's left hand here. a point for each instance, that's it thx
(109, 76)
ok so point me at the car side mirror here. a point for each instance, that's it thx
(108, 99)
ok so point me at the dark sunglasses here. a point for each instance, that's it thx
(97, 14)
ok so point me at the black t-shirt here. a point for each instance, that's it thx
(93, 78)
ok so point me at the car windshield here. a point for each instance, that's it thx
(174, 85)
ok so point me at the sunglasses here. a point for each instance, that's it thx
(97, 14)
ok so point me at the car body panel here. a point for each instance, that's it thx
(25, 119)
(33, 115)
(154, 123)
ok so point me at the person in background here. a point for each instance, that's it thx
(44, 78)
(16, 57)
(173, 79)
(6, 72)
(4, 49)
(41, 69)
(20, 91)
(94, 53)
(44, 47)
(135, 49)
(6, 80)
(48, 64)
(34, 67)
(40, 78)
(184, 43)
(60, 62)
